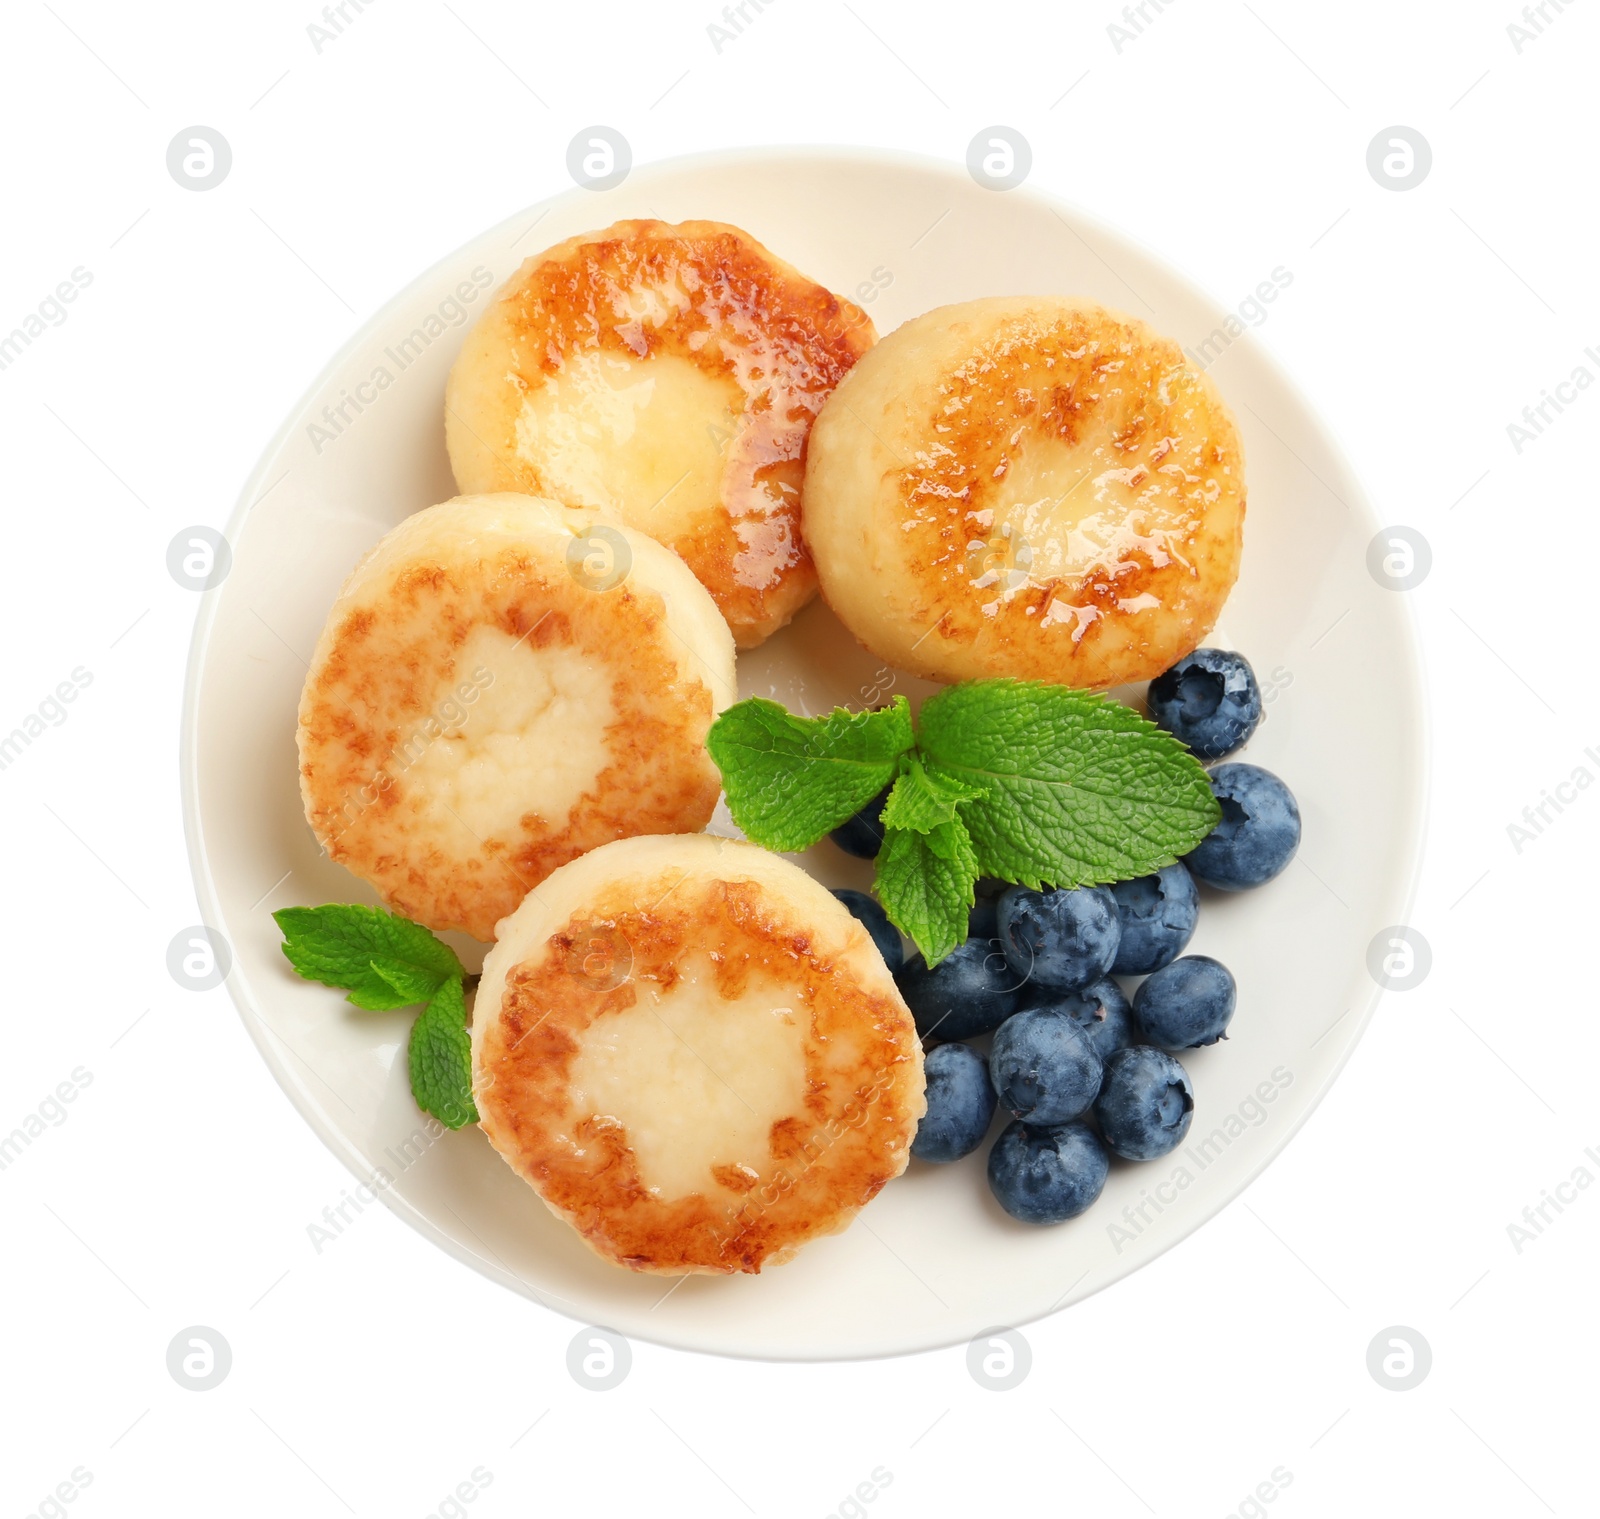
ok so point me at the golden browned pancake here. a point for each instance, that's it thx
(669, 374)
(489, 699)
(694, 1054)
(1030, 486)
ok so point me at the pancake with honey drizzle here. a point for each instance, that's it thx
(503, 684)
(669, 374)
(1029, 486)
(694, 1054)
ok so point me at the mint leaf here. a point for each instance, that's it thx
(921, 802)
(440, 1058)
(789, 780)
(1077, 789)
(407, 985)
(924, 880)
(382, 960)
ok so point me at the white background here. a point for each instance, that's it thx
(374, 1376)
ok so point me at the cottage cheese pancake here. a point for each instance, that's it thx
(694, 1054)
(1027, 486)
(503, 684)
(670, 374)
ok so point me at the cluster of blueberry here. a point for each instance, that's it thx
(1081, 1069)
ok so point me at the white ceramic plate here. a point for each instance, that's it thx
(932, 1261)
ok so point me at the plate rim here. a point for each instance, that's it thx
(1416, 809)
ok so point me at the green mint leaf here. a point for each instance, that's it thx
(921, 802)
(382, 960)
(1077, 789)
(375, 994)
(409, 984)
(440, 1058)
(790, 780)
(924, 880)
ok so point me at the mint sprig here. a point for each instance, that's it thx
(439, 1058)
(923, 801)
(1075, 789)
(382, 960)
(792, 779)
(385, 962)
(1021, 780)
(924, 881)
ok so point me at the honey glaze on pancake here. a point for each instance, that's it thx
(370, 727)
(1069, 485)
(602, 328)
(844, 1135)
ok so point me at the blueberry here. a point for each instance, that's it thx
(1157, 915)
(1145, 1104)
(1209, 700)
(960, 1104)
(1185, 1004)
(1100, 1010)
(1045, 1066)
(1258, 834)
(983, 921)
(1047, 1175)
(876, 922)
(1061, 940)
(862, 835)
(971, 991)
